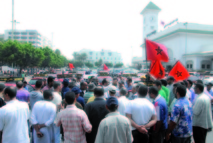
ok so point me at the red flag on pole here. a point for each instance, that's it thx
(157, 70)
(156, 51)
(179, 72)
(105, 67)
(71, 66)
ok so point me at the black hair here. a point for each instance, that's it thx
(199, 81)
(66, 84)
(112, 92)
(11, 91)
(98, 91)
(56, 84)
(70, 97)
(82, 83)
(157, 82)
(153, 90)
(181, 89)
(50, 79)
(113, 107)
(38, 84)
(115, 78)
(123, 91)
(19, 84)
(182, 83)
(164, 82)
(142, 90)
(72, 84)
(2, 87)
(176, 84)
(104, 81)
(186, 83)
(199, 86)
(170, 78)
(129, 79)
(190, 82)
(47, 94)
(25, 82)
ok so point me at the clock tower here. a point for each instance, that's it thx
(150, 19)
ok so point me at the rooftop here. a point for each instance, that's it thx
(151, 6)
(182, 27)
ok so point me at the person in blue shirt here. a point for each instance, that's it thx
(25, 85)
(210, 91)
(190, 84)
(65, 88)
(77, 92)
(181, 118)
(129, 84)
(159, 129)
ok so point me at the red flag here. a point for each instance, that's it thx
(157, 70)
(179, 72)
(156, 51)
(71, 66)
(105, 67)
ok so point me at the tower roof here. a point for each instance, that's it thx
(151, 5)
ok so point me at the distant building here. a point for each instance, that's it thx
(105, 55)
(190, 43)
(30, 36)
(1, 36)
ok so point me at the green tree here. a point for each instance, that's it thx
(110, 65)
(118, 65)
(99, 63)
(89, 65)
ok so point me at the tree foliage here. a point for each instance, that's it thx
(89, 65)
(26, 55)
(118, 65)
(110, 65)
(99, 63)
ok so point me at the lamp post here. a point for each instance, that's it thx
(185, 24)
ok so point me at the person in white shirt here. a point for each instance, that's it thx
(57, 99)
(42, 119)
(123, 101)
(13, 118)
(142, 115)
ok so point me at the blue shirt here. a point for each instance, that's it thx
(128, 87)
(64, 91)
(162, 111)
(133, 96)
(81, 101)
(182, 116)
(192, 95)
(210, 92)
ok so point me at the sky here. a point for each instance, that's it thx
(98, 24)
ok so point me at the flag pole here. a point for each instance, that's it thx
(145, 53)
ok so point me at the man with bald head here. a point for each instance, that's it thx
(96, 111)
(13, 118)
(22, 94)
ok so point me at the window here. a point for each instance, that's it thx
(191, 66)
(16, 37)
(208, 66)
(102, 53)
(10, 32)
(110, 53)
(90, 53)
(23, 37)
(23, 33)
(32, 33)
(187, 66)
(9, 37)
(203, 66)
(16, 33)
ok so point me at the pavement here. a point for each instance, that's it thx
(209, 138)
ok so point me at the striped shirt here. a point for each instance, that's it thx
(75, 123)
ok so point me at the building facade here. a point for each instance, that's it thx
(190, 43)
(29, 36)
(105, 55)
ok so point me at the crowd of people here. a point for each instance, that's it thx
(113, 112)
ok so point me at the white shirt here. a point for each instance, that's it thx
(56, 101)
(13, 122)
(44, 112)
(122, 103)
(141, 110)
(188, 94)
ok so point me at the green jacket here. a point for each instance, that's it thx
(167, 92)
(163, 94)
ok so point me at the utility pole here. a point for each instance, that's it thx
(52, 40)
(12, 19)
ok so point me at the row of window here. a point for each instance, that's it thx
(17, 37)
(106, 58)
(203, 66)
(102, 53)
(24, 33)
